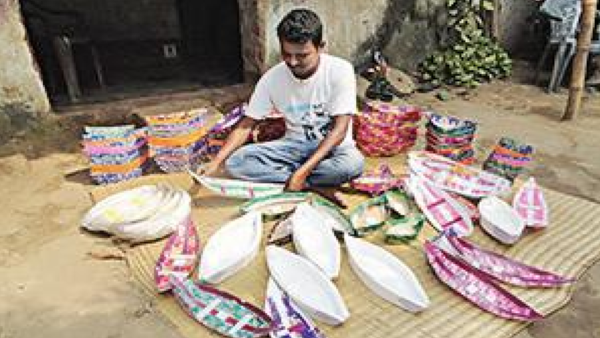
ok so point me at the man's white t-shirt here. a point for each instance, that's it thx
(308, 105)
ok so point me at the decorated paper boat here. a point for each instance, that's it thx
(174, 211)
(453, 176)
(386, 275)
(221, 311)
(500, 220)
(469, 206)
(397, 201)
(315, 240)
(277, 204)
(288, 320)
(231, 248)
(530, 204)
(307, 285)
(477, 287)
(503, 268)
(377, 181)
(237, 188)
(124, 207)
(178, 257)
(442, 211)
(332, 215)
(368, 216)
(281, 233)
(405, 229)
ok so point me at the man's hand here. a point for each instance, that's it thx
(208, 169)
(296, 182)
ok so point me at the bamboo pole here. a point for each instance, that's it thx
(580, 62)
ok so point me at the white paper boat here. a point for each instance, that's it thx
(307, 285)
(174, 211)
(288, 320)
(500, 220)
(231, 248)
(237, 188)
(530, 204)
(386, 275)
(315, 240)
(124, 207)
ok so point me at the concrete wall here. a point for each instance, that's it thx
(21, 86)
(349, 24)
(516, 31)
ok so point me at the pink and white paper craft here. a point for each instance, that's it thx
(530, 204)
(476, 287)
(441, 209)
(503, 268)
(453, 176)
(178, 257)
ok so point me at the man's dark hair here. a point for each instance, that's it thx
(300, 26)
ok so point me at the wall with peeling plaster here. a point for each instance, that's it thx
(21, 87)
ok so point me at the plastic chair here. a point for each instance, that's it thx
(564, 18)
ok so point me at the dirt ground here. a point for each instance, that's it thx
(59, 282)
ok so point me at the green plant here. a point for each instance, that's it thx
(468, 57)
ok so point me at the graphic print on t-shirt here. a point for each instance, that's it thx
(310, 120)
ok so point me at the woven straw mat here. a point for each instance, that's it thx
(568, 247)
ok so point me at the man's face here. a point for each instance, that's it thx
(301, 58)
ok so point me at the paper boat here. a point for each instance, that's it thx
(453, 176)
(124, 207)
(307, 285)
(332, 215)
(221, 311)
(288, 320)
(503, 268)
(175, 210)
(231, 248)
(477, 287)
(368, 216)
(530, 204)
(377, 181)
(386, 275)
(178, 257)
(274, 205)
(315, 240)
(500, 220)
(442, 211)
(237, 188)
(281, 232)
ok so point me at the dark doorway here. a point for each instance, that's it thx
(96, 50)
(210, 34)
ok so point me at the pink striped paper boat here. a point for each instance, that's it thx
(503, 268)
(178, 256)
(530, 204)
(441, 209)
(453, 176)
(477, 287)
(221, 311)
